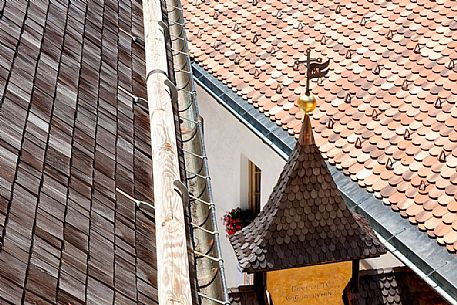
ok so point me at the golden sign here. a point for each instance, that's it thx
(314, 285)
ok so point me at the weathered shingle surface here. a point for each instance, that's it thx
(305, 221)
(394, 288)
(389, 99)
(69, 136)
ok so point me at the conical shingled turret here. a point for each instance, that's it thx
(305, 221)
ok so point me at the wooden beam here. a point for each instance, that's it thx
(260, 287)
(354, 283)
(172, 260)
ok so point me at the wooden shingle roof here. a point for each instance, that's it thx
(243, 295)
(393, 287)
(305, 221)
(69, 136)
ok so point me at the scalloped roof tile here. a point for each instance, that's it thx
(393, 287)
(390, 95)
(305, 221)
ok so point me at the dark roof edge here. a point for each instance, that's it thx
(423, 255)
(413, 247)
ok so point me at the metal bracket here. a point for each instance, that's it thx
(141, 102)
(213, 299)
(181, 189)
(165, 30)
(173, 91)
(138, 40)
(139, 204)
(154, 71)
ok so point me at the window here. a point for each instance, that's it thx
(254, 180)
(254, 188)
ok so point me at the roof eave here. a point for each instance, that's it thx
(255, 270)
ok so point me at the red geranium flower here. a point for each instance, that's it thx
(237, 219)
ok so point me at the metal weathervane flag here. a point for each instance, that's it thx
(317, 69)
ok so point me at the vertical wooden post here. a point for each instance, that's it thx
(260, 287)
(172, 260)
(354, 283)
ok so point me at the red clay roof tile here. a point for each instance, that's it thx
(394, 59)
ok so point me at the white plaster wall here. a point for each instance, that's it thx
(229, 145)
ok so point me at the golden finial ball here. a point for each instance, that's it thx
(307, 103)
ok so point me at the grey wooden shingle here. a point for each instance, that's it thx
(68, 138)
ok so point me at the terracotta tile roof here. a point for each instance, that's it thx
(386, 111)
(305, 221)
(394, 288)
(68, 138)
